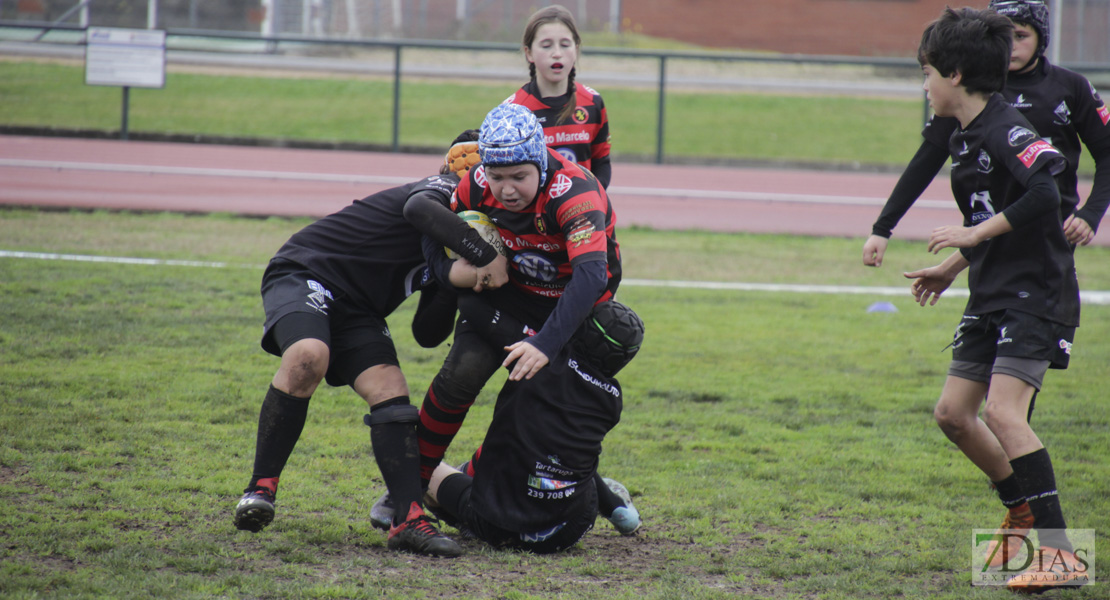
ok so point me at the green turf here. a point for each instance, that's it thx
(699, 124)
(779, 445)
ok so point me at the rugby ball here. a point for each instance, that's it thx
(485, 227)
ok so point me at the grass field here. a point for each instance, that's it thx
(779, 445)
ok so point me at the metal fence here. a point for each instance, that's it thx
(461, 20)
(402, 58)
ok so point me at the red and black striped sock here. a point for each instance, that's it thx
(437, 428)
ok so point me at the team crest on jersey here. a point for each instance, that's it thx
(1034, 151)
(581, 232)
(1063, 113)
(985, 166)
(535, 266)
(480, 176)
(580, 115)
(1018, 136)
(560, 186)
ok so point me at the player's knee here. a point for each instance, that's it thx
(953, 423)
(999, 418)
(458, 384)
(305, 363)
(454, 393)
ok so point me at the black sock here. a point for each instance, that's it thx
(280, 423)
(1034, 471)
(395, 450)
(1009, 491)
(607, 501)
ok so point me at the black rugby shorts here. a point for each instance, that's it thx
(299, 306)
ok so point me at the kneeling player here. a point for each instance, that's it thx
(533, 485)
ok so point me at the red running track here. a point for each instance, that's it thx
(202, 178)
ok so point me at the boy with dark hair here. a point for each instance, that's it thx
(1063, 107)
(1024, 306)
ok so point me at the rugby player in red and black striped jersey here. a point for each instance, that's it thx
(557, 226)
(572, 115)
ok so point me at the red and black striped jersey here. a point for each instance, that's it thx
(584, 137)
(571, 221)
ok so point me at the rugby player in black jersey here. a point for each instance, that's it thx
(1023, 309)
(1064, 109)
(327, 293)
(533, 485)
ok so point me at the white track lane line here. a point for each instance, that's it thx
(1091, 297)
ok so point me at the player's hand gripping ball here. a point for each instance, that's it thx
(485, 228)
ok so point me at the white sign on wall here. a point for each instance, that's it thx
(125, 57)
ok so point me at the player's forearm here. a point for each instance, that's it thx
(587, 283)
(1041, 196)
(1095, 207)
(429, 216)
(954, 264)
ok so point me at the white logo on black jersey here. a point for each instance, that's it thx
(1063, 113)
(965, 150)
(982, 207)
(1002, 339)
(1020, 102)
(1019, 136)
(985, 162)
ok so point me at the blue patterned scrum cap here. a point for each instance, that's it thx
(1031, 12)
(511, 135)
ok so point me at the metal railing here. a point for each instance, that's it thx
(254, 44)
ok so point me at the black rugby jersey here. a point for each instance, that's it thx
(368, 250)
(543, 445)
(1064, 109)
(584, 137)
(1031, 268)
(571, 221)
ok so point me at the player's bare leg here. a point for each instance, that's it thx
(957, 414)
